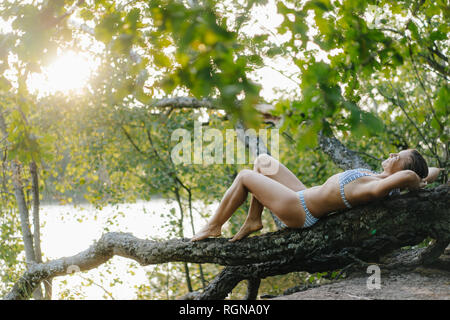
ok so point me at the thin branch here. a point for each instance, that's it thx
(132, 142)
(285, 75)
(184, 102)
(369, 155)
(100, 286)
(398, 103)
(438, 53)
(437, 66)
(402, 33)
(413, 62)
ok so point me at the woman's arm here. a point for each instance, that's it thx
(433, 173)
(401, 179)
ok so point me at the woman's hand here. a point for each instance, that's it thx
(433, 173)
(414, 181)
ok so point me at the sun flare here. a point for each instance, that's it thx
(69, 73)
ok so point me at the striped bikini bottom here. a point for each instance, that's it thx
(310, 219)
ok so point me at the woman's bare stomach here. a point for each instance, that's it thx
(325, 198)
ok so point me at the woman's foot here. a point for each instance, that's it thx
(246, 229)
(206, 232)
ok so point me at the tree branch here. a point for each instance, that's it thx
(339, 154)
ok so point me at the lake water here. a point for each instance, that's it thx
(67, 230)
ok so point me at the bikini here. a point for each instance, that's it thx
(344, 178)
(353, 174)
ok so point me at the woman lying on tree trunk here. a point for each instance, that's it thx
(274, 186)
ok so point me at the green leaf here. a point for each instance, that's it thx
(133, 18)
(5, 85)
(413, 28)
(86, 14)
(108, 27)
(437, 35)
(442, 102)
(374, 123)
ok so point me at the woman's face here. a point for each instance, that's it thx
(396, 161)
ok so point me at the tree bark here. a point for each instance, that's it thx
(23, 213)
(27, 237)
(36, 222)
(343, 157)
(362, 233)
(37, 225)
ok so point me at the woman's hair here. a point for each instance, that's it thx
(417, 164)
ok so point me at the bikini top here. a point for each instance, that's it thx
(353, 174)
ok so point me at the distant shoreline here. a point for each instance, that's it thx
(82, 201)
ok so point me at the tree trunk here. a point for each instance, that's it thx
(23, 213)
(27, 237)
(37, 224)
(340, 154)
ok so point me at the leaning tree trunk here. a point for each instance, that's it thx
(363, 233)
(23, 213)
(343, 157)
(37, 225)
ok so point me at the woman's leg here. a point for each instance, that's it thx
(275, 170)
(232, 199)
(272, 168)
(281, 200)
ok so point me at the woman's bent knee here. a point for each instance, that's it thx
(245, 173)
